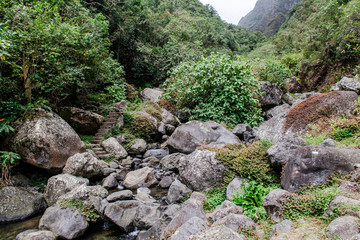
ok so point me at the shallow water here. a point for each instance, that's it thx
(10, 230)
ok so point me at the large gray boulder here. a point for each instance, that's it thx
(143, 177)
(236, 222)
(34, 234)
(284, 226)
(273, 203)
(347, 84)
(224, 210)
(341, 201)
(245, 133)
(84, 122)
(45, 140)
(64, 222)
(168, 118)
(177, 192)
(61, 184)
(112, 146)
(171, 162)
(201, 170)
(84, 165)
(147, 214)
(215, 233)
(343, 227)
(17, 204)
(158, 153)
(190, 227)
(314, 164)
(187, 137)
(137, 147)
(123, 214)
(271, 95)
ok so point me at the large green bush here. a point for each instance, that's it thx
(215, 88)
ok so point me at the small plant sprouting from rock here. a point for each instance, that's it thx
(88, 211)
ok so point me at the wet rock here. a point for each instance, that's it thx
(61, 184)
(112, 146)
(224, 210)
(143, 177)
(64, 222)
(147, 215)
(216, 233)
(245, 133)
(121, 195)
(273, 203)
(235, 222)
(34, 234)
(271, 95)
(187, 137)
(138, 147)
(235, 186)
(84, 165)
(151, 94)
(201, 170)
(123, 214)
(110, 182)
(282, 227)
(84, 122)
(166, 182)
(343, 227)
(177, 192)
(18, 204)
(171, 162)
(45, 140)
(158, 153)
(347, 84)
(190, 227)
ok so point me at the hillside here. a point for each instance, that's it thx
(268, 16)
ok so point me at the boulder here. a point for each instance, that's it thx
(356, 237)
(84, 122)
(120, 195)
(190, 227)
(201, 170)
(273, 203)
(215, 233)
(283, 227)
(245, 133)
(347, 84)
(171, 162)
(147, 214)
(151, 94)
(341, 201)
(277, 110)
(84, 165)
(158, 153)
(166, 182)
(328, 143)
(271, 95)
(123, 214)
(61, 184)
(45, 140)
(198, 196)
(224, 210)
(18, 204)
(343, 227)
(168, 118)
(137, 147)
(64, 222)
(177, 192)
(187, 137)
(110, 182)
(143, 177)
(34, 234)
(235, 222)
(314, 164)
(235, 186)
(112, 146)
(272, 129)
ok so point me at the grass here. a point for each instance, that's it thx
(86, 140)
(214, 197)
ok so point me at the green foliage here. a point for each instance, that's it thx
(251, 199)
(345, 128)
(250, 162)
(86, 140)
(113, 132)
(275, 72)
(214, 197)
(7, 161)
(86, 210)
(5, 128)
(215, 88)
(9, 109)
(340, 210)
(41, 182)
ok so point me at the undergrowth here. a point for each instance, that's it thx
(88, 211)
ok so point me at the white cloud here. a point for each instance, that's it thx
(231, 10)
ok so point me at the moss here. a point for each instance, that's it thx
(143, 127)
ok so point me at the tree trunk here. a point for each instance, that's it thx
(27, 81)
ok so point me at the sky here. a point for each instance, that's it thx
(231, 10)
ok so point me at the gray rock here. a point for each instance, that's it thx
(245, 133)
(343, 227)
(190, 227)
(153, 233)
(273, 129)
(201, 170)
(224, 210)
(121, 195)
(84, 165)
(145, 197)
(235, 186)
(168, 118)
(235, 222)
(166, 182)
(84, 122)
(151, 94)
(64, 222)
(161, 129)
(123, 214)
(347, 84)
(284, 226)
(187, 137)
(112, 146)
(341, 201)
(45, 140)
(170, 211)
(177, 192)
(328, 143)
(138, 147)
(273, 203)
(108, 171)
(147, 215)
(198, 196)
(113, 164)
(171, 162)
(271, 95)
(17, 204)
(61, 184)
(143, 190)
(110, 182)
(143, 177)
(314, 164)
(120, 105)
(277, 110)
(215, 233)
(35, 234)
(355, 175)
(170, 129)
(356, 237)
(158, 153)
(151, 162)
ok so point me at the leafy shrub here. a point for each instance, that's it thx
(275, 72)
(345, 128)
(215, 88)
(7, 161)
(88, 211)
(251, 199)
(214, 197)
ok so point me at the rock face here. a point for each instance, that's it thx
(216, 233)
(271, 95)
(201, 170)
(347, 84)
(273, 203)
(61, 184)
(84, 165)
(314, 164)
(112, 146)
(151, 94)
(268, 16)
(17, 204)
(191, 135)
(143, 177)
(343, 228)
(45, 140)
(82, 121)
